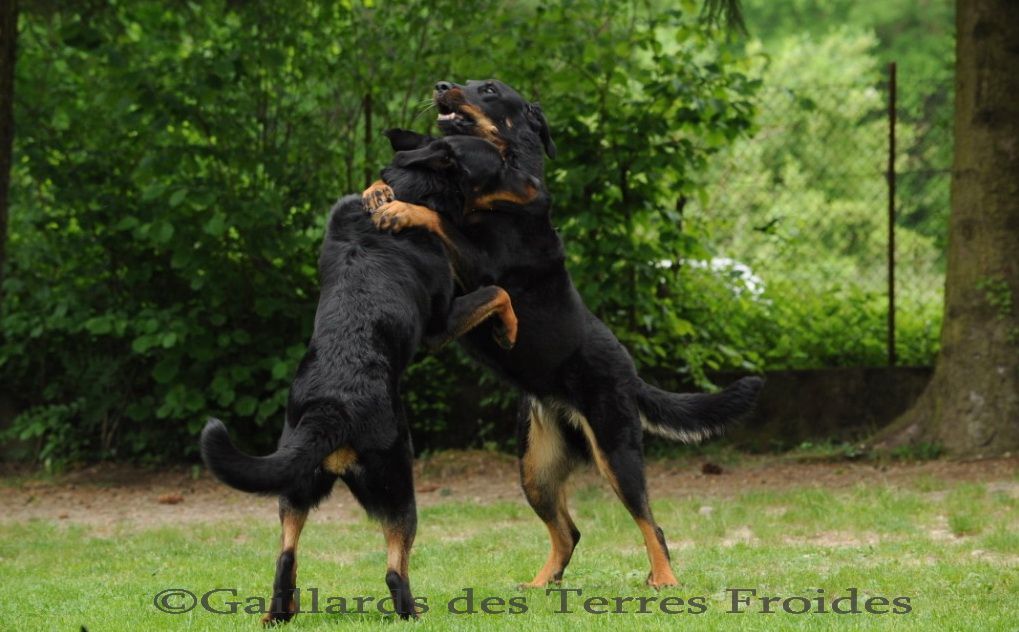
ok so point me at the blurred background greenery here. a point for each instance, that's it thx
(722, 197)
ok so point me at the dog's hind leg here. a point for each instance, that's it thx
(283, 605)
(613, 430)
(399, 535)
(383, 482)
(546, 459)
(293, 507)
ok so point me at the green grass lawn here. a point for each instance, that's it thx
(951, 548)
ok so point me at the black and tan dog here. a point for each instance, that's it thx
(380, 296)
(583, 398)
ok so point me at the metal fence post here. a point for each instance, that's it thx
(891, 212)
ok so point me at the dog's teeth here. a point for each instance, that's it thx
(447, 117)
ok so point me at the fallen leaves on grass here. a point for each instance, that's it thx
(170, 499)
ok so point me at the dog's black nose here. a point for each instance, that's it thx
(442, 86)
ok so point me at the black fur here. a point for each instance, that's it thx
(527, 132)
(381, 295)
(561, 344)
(578, 378)
(345, 392)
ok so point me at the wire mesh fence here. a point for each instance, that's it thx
(806, 201)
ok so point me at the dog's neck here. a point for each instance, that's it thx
(528, 156)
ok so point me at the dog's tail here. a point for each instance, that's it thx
(692, 417)
(300, 452)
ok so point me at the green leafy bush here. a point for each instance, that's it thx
(174, 165)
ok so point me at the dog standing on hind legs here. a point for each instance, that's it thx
(381, 296)
(583, 400)
(392, 504)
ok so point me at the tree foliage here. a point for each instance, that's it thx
(174, 164)
(802, 202)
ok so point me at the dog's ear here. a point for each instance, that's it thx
(405, 140)
(436, 155)
(540, 125)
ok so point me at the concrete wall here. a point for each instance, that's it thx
(795, 406)
(814, 405)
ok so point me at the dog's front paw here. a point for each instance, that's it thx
(396, 216)
(377, 195)
(503, 336)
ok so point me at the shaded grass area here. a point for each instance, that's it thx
(951, 548)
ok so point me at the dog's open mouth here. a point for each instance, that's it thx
(447, 113)
(450, 105)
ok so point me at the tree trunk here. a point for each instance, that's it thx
(971, 406)
(8, 41)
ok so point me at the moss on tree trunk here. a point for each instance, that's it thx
(971, 406)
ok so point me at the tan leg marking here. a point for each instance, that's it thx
(398, 543)
(397, 550)
(502, 307)
(661, 569)
(562, 544)
(293, 524)
(397, 215)
(544, 465)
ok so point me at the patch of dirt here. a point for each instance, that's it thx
(110, 496)
(837, 539)
(739, 535)
(941, 532)
(998, 559)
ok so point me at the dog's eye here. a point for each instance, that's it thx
(488, 89)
